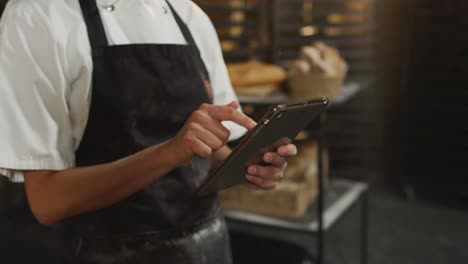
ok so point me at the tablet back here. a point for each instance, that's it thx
(281, 123)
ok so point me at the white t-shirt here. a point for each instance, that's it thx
(46, 70)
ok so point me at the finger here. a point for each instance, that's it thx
(260, 182)
(233, 104)
(208, 138)
(273, 147)
(200, 148)
(280, 142)
(274, 159)
(270, 173)
(212, 125)
(224, 113)
(287, 150)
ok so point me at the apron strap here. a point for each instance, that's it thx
(96, 31)
(190, 41)
(185, 31)
(2, 6)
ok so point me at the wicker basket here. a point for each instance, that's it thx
(313, 85)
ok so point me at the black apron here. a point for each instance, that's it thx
(2, 6)
(142, 94)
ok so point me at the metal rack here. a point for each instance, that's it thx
(332, 202)
(274, 30)
(350, 26)
(240, 27)
(347, 25)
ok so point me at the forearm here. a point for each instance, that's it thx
(54, 196)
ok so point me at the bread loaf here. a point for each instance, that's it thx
(248, 74)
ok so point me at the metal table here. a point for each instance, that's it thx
(338, 198)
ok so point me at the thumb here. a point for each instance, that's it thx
(233, 104)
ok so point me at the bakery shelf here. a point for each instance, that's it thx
(350, 88)
(340, 195)
(332, 202)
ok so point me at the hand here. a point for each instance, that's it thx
(203, 134)
(267, 177)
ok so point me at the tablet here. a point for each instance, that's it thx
(280, 124)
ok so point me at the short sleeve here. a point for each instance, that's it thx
(35, 126)
(210, 49)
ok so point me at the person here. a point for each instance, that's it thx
(113, 112)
